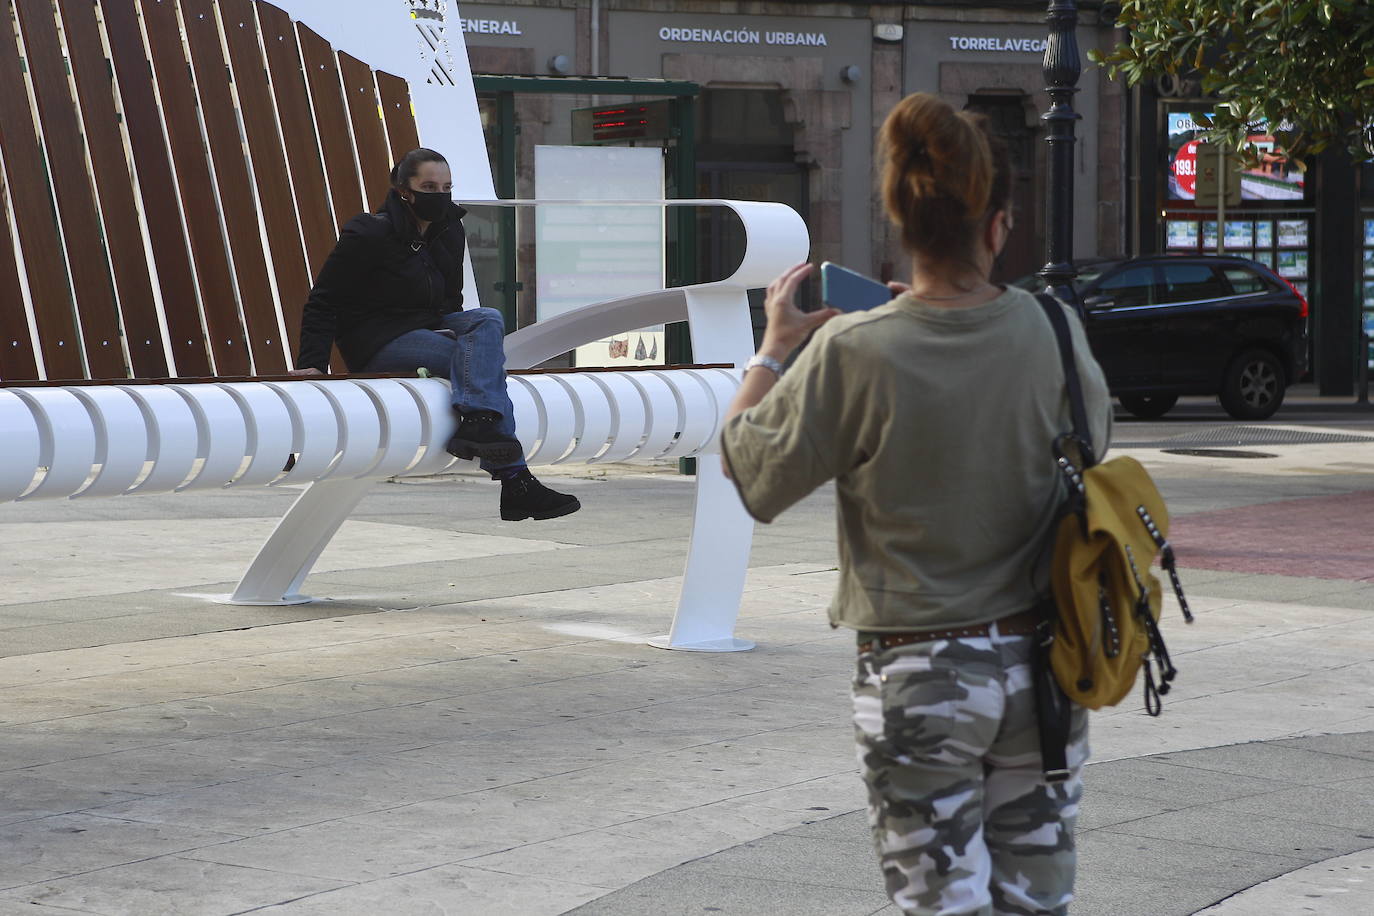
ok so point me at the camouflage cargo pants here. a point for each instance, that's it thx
(963, 820)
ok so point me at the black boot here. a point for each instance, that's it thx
(523, 496)
(478, 437)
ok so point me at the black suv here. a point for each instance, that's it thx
(1169, 325)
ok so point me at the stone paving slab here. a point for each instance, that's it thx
(1335, 887)
(1168, 857)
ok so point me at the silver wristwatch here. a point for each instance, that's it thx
(767, 362)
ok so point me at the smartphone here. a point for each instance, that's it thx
(848, 291)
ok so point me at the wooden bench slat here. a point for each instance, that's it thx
(336, 140)
(298, 133)
(123, 237)
(369, 137)
(153, 165)
(33, 217)
(16, 346)
(331, 118)
(231, 175)
(218, 305)
(76, 209)
(396, 109)
(289, 263)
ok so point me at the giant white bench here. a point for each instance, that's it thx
(81, 430)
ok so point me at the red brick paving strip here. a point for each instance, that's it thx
(1323, 537)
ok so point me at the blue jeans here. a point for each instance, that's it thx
(475, 363)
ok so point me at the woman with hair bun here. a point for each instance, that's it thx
(935, 415)
(391, 296)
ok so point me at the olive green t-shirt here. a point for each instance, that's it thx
(936, 425)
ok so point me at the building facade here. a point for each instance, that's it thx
(792, 96)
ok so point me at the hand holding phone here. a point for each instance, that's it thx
(788, 326)
(850, 291)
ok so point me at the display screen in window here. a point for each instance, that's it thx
(1292, 264)
(1181, 233)
(1292, 233)
(1273, 177)
(1239, 234)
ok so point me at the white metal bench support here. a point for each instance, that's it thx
(722, 532)
(282, 564)
(717, 562)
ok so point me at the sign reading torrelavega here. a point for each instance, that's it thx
(983, 43)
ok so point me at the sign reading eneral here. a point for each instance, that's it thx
(968, 43)
(492, 26)
(743, 37)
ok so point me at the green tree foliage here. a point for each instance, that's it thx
(1307, 65)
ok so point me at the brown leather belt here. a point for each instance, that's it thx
(1022, 623)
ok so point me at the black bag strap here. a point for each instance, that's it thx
(1053, 712)
(1052, 707)
(1078, 410)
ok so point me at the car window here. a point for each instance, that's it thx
(1244, 281)
(1133, 286)
(1191, 282)
(1087, 274)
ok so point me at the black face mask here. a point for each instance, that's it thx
(430, 205)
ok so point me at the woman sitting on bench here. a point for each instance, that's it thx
(391, 296)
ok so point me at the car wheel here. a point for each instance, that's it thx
(1252, 388)
(1148, 406)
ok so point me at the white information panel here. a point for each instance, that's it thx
(590, 254)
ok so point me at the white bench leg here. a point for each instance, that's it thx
(722, 532)
(282, 564)
(717, 562)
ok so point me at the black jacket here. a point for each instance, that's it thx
(382, 280)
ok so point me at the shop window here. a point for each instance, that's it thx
(743, 125)
(1025, 249)
(1006, 116)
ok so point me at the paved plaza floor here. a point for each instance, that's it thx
(470, 721)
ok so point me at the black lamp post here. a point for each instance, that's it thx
(1062, 68)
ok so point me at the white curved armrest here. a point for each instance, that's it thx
(775, 238)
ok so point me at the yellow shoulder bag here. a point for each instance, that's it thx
(1107, 599)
